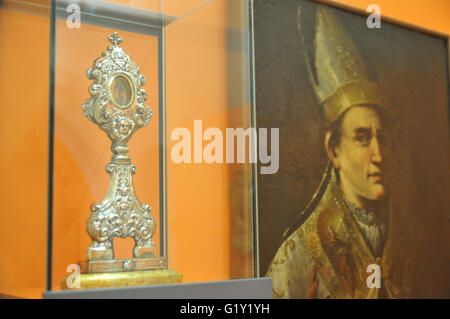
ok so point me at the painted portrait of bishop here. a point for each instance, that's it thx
(344, 229)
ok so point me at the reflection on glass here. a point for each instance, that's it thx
(121, 91)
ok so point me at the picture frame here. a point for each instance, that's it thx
(285, 97)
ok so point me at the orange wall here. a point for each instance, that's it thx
(24, 78)
(198, 205)
(175, 8)
(433, 14)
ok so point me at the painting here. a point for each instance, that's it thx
(359, 207)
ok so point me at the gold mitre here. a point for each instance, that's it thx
(341, 77)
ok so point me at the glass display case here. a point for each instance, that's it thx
(195, 56)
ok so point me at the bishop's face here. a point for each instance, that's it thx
(359, 156)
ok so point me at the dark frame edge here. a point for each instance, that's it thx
(448, 77)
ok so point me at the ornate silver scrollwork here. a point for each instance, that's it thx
(117, 106)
